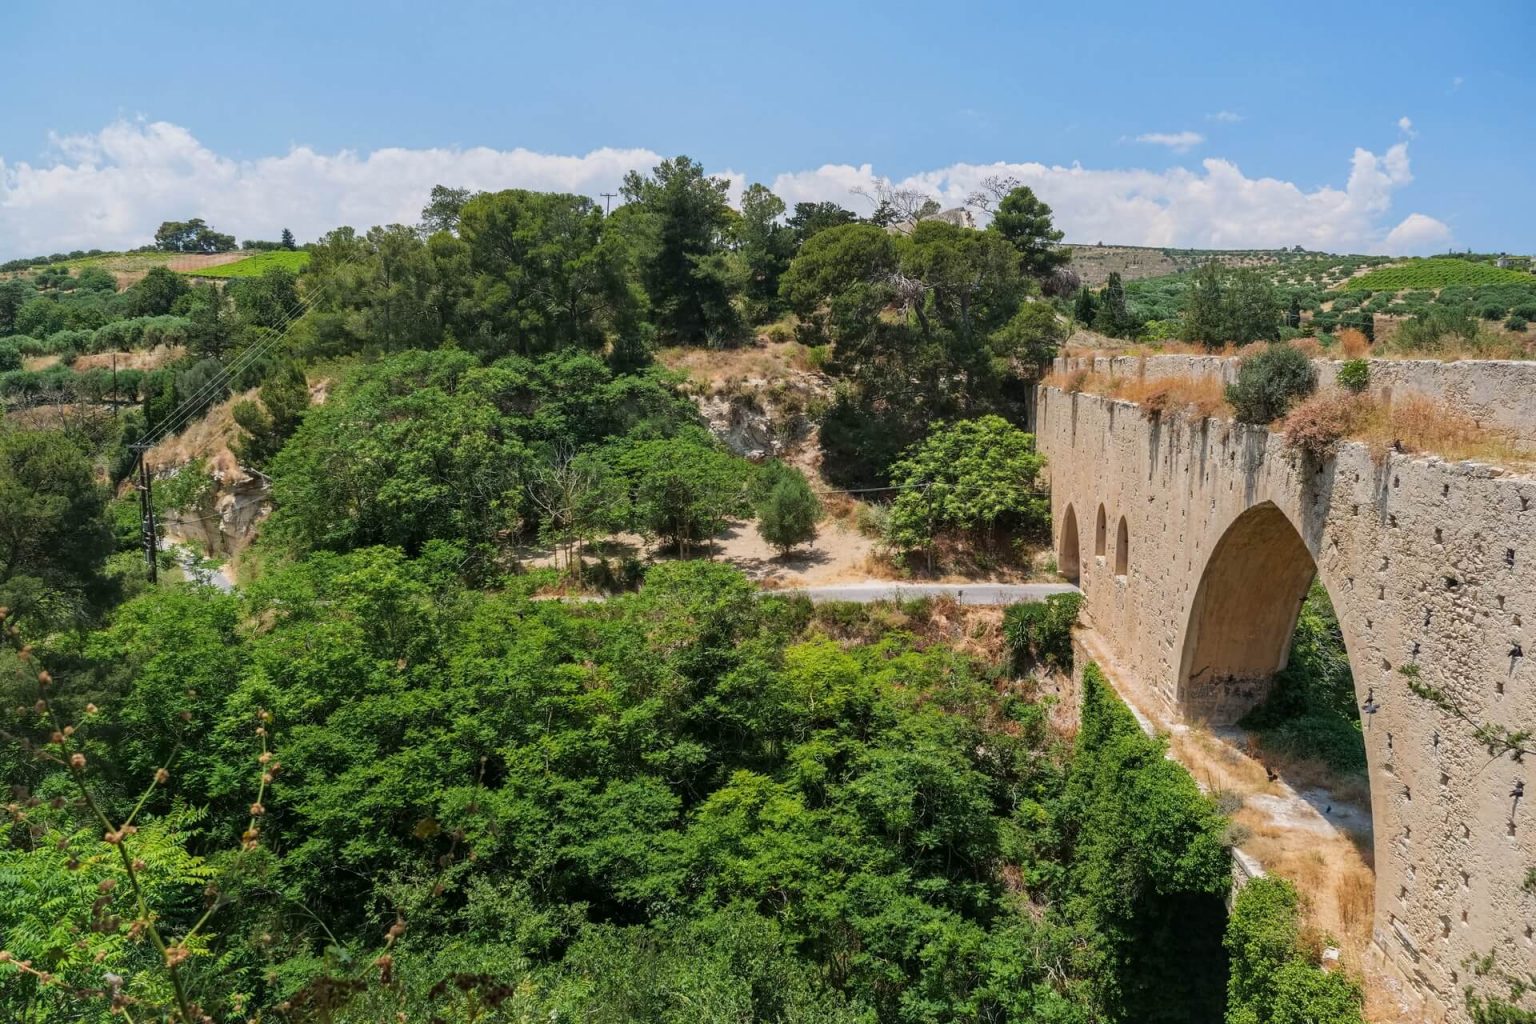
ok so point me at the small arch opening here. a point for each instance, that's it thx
(1122, 549)
(1101, 535)
(1068, 558)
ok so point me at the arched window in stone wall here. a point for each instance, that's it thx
(1100, 538)
(1122, 549)
(1067, 560)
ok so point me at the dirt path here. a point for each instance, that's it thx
(1320, 841)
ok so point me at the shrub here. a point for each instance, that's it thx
(1355, 376)
(1270, 980)
(1515, 323)
(787, 514)
(1269, 382)
(1040, 632)
(1316, 426)
(10, 356)
(1354, 343)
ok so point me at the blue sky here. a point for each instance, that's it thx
(278, 111)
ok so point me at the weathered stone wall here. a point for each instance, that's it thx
(1497, 393)
(1427, 562)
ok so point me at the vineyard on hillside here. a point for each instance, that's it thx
(1440, 272)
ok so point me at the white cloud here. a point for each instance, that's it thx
(1405, 125)
(1179, 142)
(1417, 234)
(1457, 83)
(1224, 116)
(1216, 206)
(111, 189)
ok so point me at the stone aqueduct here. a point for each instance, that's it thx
(1195, 543)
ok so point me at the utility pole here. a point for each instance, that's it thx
(147, 513)
(607, 201)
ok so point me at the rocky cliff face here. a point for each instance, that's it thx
(761, 418)
(226, 515)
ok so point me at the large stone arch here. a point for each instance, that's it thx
(1069, 557)
(1239, 623)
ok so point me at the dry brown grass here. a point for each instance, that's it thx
(712, 369)
(1418, 423)
(151, 359)
(1174, 396)
(205, 438)
(1411, 424)
(1354, 343)
(36, 363)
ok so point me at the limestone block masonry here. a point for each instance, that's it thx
(1496, 392)
(1194, 572)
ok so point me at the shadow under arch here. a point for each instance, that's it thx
(1242, 619)
(1069, 556)
(1238, 632)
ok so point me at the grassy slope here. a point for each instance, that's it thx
(254, 265)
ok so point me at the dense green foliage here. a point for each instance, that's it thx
(1354, 375)
(975, 478)
(1312, 710)
(1040, 632)
(54, 536)
(965, 340)
(790, 813)
(1273, 980)
(1230, 307)
(1149, 868)
(1269, 382)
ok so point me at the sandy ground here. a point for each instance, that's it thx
(838, 554)
(1317, 839)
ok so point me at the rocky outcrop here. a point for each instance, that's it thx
(761, 418)
(226, 514)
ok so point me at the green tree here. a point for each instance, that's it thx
(1114, 316)
(444, 208)
(809, 218)
(287, 241)
(578, 497)
(1085, 307)
(1027, 343)
(788, 512)
(765, 247)
(156, 292)
(679, 221)
(1231, 306)
(1025, 221)
(270, 420)
(54, 536)
(682, 489)
(545, 276)
(269, 301)
(97, 280)
(975, 477)
(191, 236)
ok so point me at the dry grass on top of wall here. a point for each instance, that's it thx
(1412, 424)
(1189, 396)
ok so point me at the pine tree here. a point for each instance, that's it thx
(287, 241)
(787, 514)
(1113, 317)
(1085, 307)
